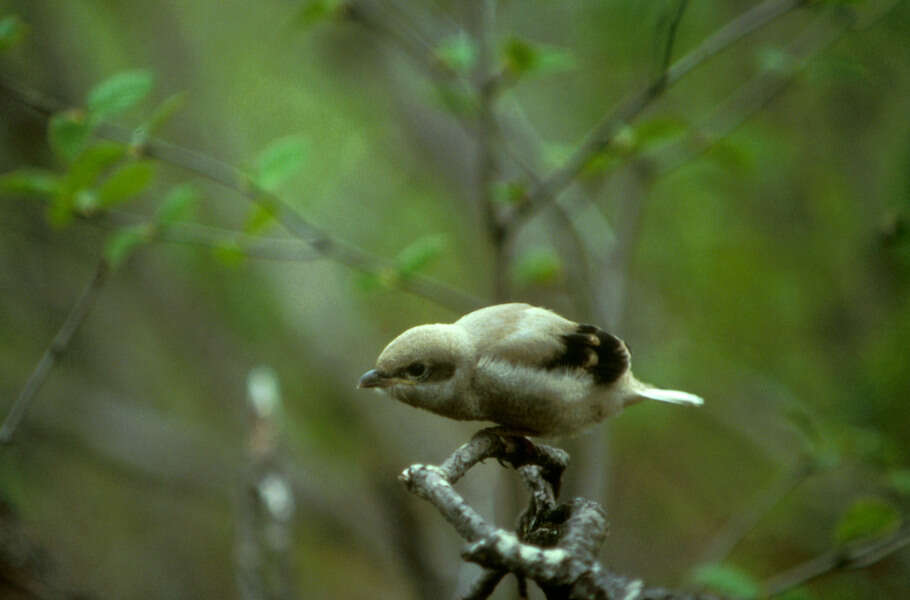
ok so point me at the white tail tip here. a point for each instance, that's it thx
(672, 396)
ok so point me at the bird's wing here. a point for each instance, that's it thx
(526, 335)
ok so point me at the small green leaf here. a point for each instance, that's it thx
(314, 11)
(420, 254)
(118, 93)
(519, 56)
(121, 245)
(91, 163)
(899, 480)
(229, 253)
(539, 266)
(456, 100)
(164, 111)
(522, 57)
(128, 181)
(261, 217)
(727, 580)
(12, 31)
(658, 131)
(177, 204)
(867, 517)
(279, 161)
(509, 193)
(457, 53)
(33, 182)
(68, 132)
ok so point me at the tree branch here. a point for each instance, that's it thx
(856, 557)
(234, 179)
(556, 545)
(54, 351)
(602, 134)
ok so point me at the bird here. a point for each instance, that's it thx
(525, 368)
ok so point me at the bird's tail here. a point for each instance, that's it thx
(644, 391)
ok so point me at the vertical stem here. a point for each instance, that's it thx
(486, 85)
(54, 351)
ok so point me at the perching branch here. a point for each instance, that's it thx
(856, 557)
(232, 178)
(54, 351)
(602, 134)
(555, 545)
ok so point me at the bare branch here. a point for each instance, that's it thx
(671, 34)
(54, 351)
(601, 136)
(856, 557)
(232, 178)
(556, 545)
(744, 521)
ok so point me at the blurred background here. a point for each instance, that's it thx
(745, 230)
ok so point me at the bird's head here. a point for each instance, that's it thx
(426, 366)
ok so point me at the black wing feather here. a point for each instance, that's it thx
(601, 354)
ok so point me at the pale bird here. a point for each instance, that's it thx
(522, 367)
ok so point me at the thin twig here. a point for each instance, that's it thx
(194, 234)
(856, 557)
(54, 351)
(232, 178)
(744, 521)
(486, 158)
(602, 134)
(675, 20)
(750, 97)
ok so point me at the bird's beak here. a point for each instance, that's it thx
(374, 379)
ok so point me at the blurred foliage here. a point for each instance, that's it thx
(769, 273)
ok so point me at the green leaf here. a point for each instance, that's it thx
(177, 204)
(509, 193)
(420, 254)
(519, 56)
(539, 266)
(522, 57)
(229, 253)
(260, 218)
(655, 132)
(121, 245)
(161, 115)
(899, 480)
(867, 517)
(12, 31)
(118, 93)
(32, 182)
(727, 580)
(68, 132)
(91, 163)
(279, 161)
(457, 53)
(126, 182)
(314, 11)
(456, 100)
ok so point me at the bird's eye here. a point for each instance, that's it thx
(416, 370)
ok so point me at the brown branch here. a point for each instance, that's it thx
(54, 351)
(602, 134)
(232, 178)
(844, 559)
